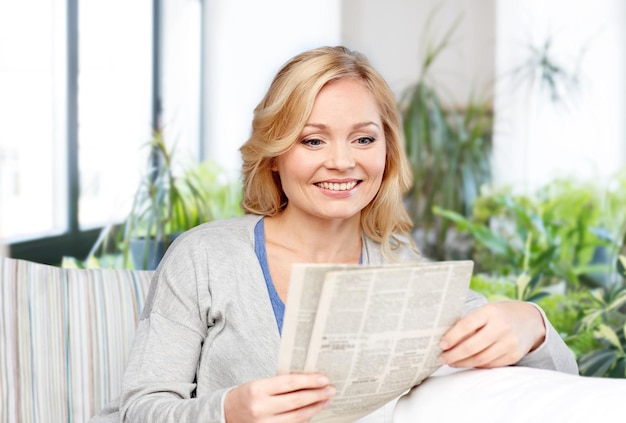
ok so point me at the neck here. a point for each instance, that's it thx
(316, 240)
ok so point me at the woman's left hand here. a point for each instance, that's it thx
(494, 335)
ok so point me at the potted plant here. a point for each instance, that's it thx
(450, 155)
(167, 204)
(169, 200)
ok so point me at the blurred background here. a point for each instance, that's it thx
(120, 124)
(97, 97)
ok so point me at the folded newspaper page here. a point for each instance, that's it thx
(373, 330)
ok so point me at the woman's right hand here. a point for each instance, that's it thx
(295, 397)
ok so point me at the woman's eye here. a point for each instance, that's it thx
(313, 142)
(365, 140)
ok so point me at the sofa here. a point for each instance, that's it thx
(512, 395)
(65, 335)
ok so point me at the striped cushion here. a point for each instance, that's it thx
(65, 335)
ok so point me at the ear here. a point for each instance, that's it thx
(274, 164)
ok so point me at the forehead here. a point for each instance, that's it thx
(347, 84)
(347, 96)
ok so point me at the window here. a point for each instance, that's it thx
(32, 110)
(114, 105)
(77, 108)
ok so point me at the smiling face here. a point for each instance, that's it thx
(336, 167)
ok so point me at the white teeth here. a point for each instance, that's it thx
(344, 186)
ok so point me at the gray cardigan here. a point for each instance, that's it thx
(208, 326)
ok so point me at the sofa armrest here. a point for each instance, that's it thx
(511, 394)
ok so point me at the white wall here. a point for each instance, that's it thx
(180, 64)
(393, 35)
(247, 42)
(584, 136)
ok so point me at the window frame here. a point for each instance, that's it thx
(74, 242)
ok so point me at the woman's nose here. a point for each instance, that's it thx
(340, 157)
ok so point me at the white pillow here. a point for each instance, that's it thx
(512, 394)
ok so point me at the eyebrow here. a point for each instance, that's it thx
(355, 126)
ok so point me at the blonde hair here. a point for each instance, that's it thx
(280, 118)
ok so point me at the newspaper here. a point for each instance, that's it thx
(373, 330)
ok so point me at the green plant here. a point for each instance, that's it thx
(449, 151)
(610, 359)
(565, 311)
(556, 79)
(161, 207)
(494, 288)
(544, 248)
(169, 200)
(556, 235)
(606, 316)
(216, 195)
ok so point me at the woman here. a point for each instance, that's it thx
(324, 175)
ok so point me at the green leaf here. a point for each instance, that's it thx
(619, 370)
(618, 301)
(596, 363)
(481, 233)
(537, 296)
(607, 333)
(522, 283)
(598, 295)
(621, 265)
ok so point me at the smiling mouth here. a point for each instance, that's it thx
(335, 186)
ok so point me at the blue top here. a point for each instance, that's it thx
(259, 249)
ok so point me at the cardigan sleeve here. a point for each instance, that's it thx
(207, 326)
(159, 383)
(553, 353)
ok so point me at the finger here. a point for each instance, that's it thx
(295, 382)
(479, 351)
(303, 414)
(304, 399)
(504, 352)
(297, 390)
(276, 395)
(471, 346)
(493, 356)
(464, 328)
(493, 345)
